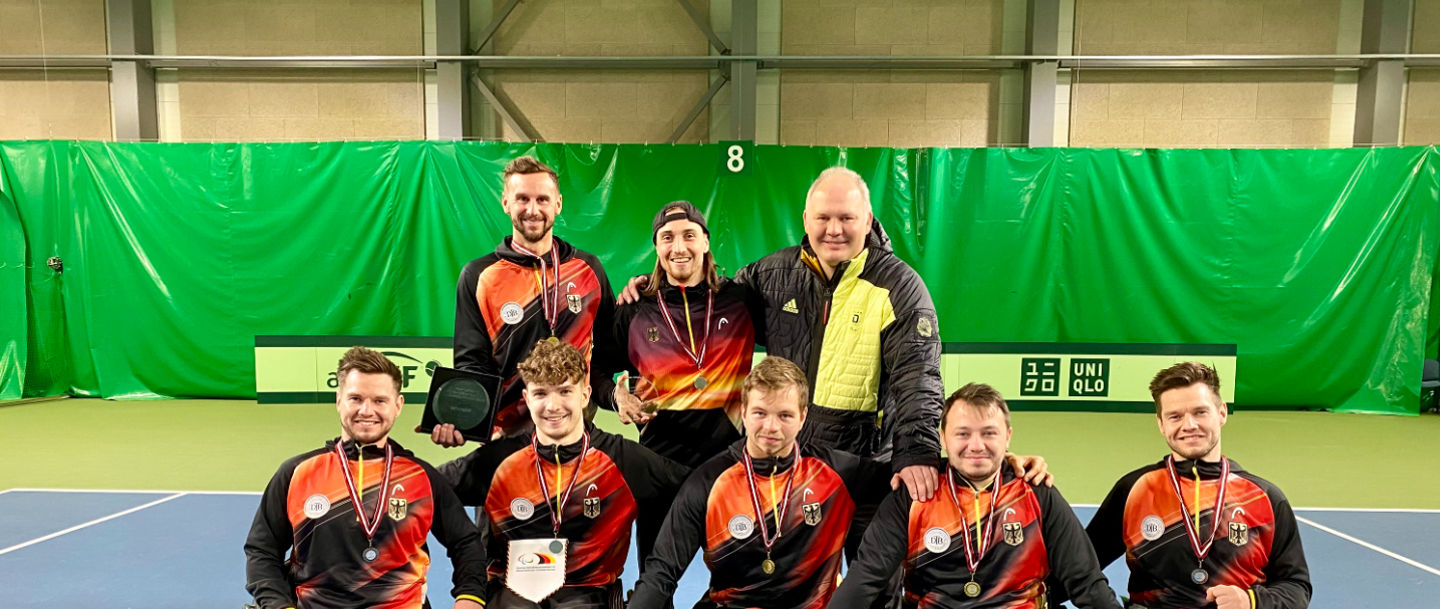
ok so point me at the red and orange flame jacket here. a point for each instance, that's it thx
(1034, 535)
(619, 480)
(693, 424)
(1256, 547)
(306, 510)
(499, 315)
(715, 511)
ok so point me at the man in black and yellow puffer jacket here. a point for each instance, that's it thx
(862, 325)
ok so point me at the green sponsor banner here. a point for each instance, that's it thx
(301, 369)
(1078, 376)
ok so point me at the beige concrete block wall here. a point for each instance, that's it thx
(1184, 27)
(1422, 107)
(1199, 109)
(57, 103)
(278, 105)
(893, 108)
(1422, 95)
(603, 105)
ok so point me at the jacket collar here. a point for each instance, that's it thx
(371, 451)
(767, 465)
(1208, 470)
(563, 251)
(567, 452)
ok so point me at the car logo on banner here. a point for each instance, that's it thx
(1014, 533)
(1239, 533)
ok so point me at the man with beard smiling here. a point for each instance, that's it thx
(534, 286)
(571, 485)
(355, 541)
(989, 539)
(770, 513)
(1196, 529)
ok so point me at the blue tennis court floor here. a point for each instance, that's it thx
(183, 550)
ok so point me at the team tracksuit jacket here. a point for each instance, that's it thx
(1257, 546)
(500, 314)
(692, 424)
(618, 481)
(1033, 535)
(715, 511)
(306, 510)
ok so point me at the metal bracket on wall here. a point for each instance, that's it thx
(699, 107)
(494, 26)
(506, 109)
(704, 25)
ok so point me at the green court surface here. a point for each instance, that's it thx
(1318, 459)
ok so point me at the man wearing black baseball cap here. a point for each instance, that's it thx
(690, 340)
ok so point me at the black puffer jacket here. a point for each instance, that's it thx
(869, 343)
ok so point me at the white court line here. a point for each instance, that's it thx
(1362, 542)
(1372, 510)
(127, 492)
(91, 523)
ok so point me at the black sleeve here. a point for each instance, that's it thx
(267, 578)
(1106, 528)
(1287, 577)
(881, 553)
(679, 539)
(1105, 531)
(607, 357)
(867, 480)
(649, 475)
(453, 527)
(1072, 560)
(754, 306)
(473, 349)
(469, 476)
(910, 356)
(624, 315)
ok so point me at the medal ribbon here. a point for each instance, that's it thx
(557, 515)
(1192, 529)
(372, 524)
(549, 304)
(973, 557)
(704, 342)
(780, 507)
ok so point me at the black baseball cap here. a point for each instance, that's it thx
(677, 210)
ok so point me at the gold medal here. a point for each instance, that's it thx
(972, 589)
(768, 566)
(553, 339)
(700, 382)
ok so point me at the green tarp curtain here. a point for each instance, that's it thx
(1318, 264)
